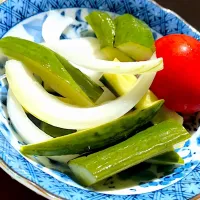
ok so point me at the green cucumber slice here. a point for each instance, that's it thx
(163, 114)
(97, 137)
(48, 65)
(121, 84)
(140, 147)
(112, 53)
(169, 158)
(93, 90)
(48, 88)
(117, 83)
(55, 131)
(103, 26)
(134, 37)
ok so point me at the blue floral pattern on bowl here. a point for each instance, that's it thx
(41, 170)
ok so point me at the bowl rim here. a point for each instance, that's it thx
(39, 189)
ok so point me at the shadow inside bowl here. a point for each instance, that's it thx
(137, 175)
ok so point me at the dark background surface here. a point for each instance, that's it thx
(12, 190)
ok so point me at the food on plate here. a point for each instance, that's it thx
(52, 68)
(140, 147)
(179, 82)
(95, 101)
(112, 53)
(121, 84)
(55, 131)
(22, 123)
(104, 28)
(168, 158)
(134, 37)
(96, 138)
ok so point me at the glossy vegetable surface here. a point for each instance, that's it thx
(103, 26)
(178, 83)
(169, 158)
(97, 137)
(134, 37)
(52, 69)
(142, 146)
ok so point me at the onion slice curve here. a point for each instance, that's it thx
(54, 25)
(32, 96)
(26, 129)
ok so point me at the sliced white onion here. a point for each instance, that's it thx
(106, 96)
(26, 129)
(118, 67)
(87, 47)
(54, 25)
(95, 76)
(45, 107)
(85, 52)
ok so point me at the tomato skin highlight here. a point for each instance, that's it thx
(179, 82)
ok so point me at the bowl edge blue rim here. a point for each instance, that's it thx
(39, 189)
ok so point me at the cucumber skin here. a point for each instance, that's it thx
(55, 131)
(169, 158)
(95, 138)
(112, 53)
(115, 89)
(103, 27)
(43, 62)
(142, 146)
(93, 90)
(163, 114)
(131, 29)
(109, 86)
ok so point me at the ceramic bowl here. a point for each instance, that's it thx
(52, 179)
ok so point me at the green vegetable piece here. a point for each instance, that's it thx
(134, 37)
(93, 90)
(163, 114)
(48, 88)
(121, 84)
(103, 26)
(142, 146)
(95, 138)
(117, 83)
(55, 131)
(111, 53)
(169, 158)
(46, 64)
(136, 51)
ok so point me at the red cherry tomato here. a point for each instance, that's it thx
(179, 82)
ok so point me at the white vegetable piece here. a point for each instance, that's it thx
(85, 53)
(48, 108)
(54, 25)
(87, 47)
(26, 129)
(134, 68)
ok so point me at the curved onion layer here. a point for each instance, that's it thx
(54, 25)
(45, 107)
(85, 52)
(87, 47)
(134, 68)
(26, 129)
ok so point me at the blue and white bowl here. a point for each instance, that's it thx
(25, 19)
